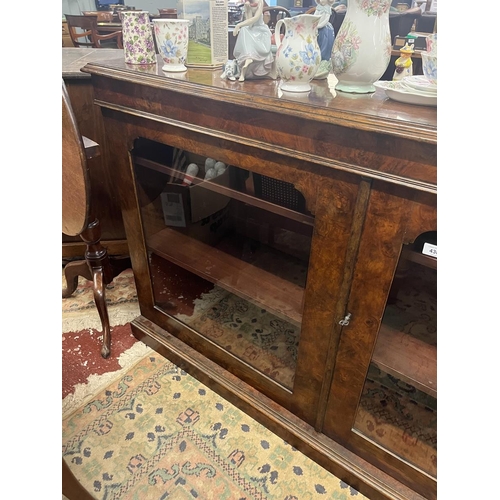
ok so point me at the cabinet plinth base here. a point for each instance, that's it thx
(341, 462)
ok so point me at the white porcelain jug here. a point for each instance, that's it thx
(298, 55)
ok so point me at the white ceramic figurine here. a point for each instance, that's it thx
(252, 50)
(230, 70)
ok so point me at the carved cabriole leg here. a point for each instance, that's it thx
(100, 302)
(71, 273)
(102, 274)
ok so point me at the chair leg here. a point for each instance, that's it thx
(71, 272)
(102, 309)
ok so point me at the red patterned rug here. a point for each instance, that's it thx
(85, 372)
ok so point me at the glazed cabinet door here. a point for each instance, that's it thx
(383, 397)
(237, 244)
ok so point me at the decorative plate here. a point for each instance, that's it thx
(401, 93)
(420, 82)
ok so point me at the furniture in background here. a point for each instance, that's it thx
(401, 23)
(273, 14)
(234, 13)
(109, 4)
(103, 16)
(79, 220)
(306, 227)
(90, 124)
(84, 32)
(66, 37)
(427, 23)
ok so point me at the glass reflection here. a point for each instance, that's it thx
(229, 253)
(398, 407)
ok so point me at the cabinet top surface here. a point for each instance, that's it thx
(75, 58)
(366, 111)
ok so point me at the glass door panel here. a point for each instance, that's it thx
(398, 406)
(229, 253)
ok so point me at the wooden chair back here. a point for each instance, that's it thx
(84, 32)
(273, 14)
(75, 173)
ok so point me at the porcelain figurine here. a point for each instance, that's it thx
(326, 37)
(404, 64)
(230, 70)
(252, 50)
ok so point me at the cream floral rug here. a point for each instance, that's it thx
(157, 433)
(139, 427)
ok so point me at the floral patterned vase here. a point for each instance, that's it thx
(172, 41)
(298, 55)
(362, 48)
(138, 44)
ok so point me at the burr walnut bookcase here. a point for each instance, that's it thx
(298, 283)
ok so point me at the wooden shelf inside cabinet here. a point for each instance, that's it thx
(419, 258)
(275, 294)
(407, 358)
(233, 193)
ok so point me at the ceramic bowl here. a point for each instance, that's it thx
(429, 67)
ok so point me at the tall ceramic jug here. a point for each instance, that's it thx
(362, 48)
(298, 55)
(138, 44)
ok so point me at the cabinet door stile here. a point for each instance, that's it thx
(120, 139)
(333, 222)
(377, 258)
(339, 213)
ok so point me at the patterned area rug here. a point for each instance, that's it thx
(85, 372)
(399, 418)
(79, 311)
(251, 333)
(135, 426)
(157, 433)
